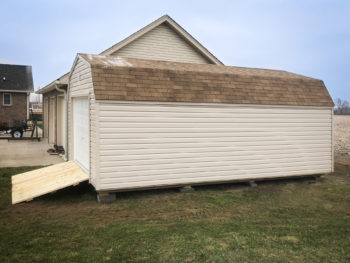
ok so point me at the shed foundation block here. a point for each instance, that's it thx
(186, 189)
(252, 184)
(106, 197)
(319, 178)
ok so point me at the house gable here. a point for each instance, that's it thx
(162, 43)
(163, 39)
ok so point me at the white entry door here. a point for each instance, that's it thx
(81, 132)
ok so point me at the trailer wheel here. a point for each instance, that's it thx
(17, 134)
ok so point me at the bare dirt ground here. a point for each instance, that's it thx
(341, 131)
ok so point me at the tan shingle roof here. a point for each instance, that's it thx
(130, 79)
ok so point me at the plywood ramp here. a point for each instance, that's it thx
(29, 185)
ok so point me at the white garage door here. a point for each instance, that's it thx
(81, 131)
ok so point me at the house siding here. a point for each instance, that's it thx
(80, 85)
(17, 111)
(145, 145)
(46, 113)
(48, 98)
(162, 43)
(45, 116)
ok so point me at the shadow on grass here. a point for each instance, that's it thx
(86, 192)
(82, 192)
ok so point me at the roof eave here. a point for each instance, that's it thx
(52, 85)
(16, 91)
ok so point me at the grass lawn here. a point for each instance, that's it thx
(279, 221)
(40, 124)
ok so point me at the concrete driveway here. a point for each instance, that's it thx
(26, 153)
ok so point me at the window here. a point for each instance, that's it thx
(7, 99)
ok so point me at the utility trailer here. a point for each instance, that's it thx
(17, 128)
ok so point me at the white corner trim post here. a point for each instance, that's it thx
(28, 95)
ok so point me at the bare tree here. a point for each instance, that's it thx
(342, 107)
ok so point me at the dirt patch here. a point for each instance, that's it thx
(344, 160)
(341, 131)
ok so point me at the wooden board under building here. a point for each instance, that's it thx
(29, 185)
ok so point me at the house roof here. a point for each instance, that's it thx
(16, 78)
(63, 80)
(120, 78)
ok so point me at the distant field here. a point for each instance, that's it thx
(341, 129)
(279, 221)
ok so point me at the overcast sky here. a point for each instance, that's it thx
(306, 37)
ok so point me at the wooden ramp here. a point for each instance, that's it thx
(27, 186)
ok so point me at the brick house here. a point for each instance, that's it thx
(16, 84)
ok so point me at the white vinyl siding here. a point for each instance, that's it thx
(162, 43)
(80, 85)
(155, 144)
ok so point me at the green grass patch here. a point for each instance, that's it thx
(279, 221)
(40, 124)
(5, 181)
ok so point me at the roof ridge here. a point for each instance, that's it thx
(130, 36)
(300, 75)
(121, 61)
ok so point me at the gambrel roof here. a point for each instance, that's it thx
(130, 79)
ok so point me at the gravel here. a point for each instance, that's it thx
(341, 133)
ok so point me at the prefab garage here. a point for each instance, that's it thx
(136, 123)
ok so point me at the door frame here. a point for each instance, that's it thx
(61, 121)
(52, 138)
(46, 116)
